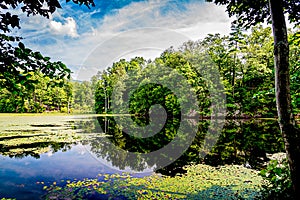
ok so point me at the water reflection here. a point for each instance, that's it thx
(35, 149)
(30, 135)
(246, 141)
(240, 142)
(41, 148)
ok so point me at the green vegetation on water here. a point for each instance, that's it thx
(200, 182)
(241, 141)
(32, 134)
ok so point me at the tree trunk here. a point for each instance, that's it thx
(68, 109)
(286, 120)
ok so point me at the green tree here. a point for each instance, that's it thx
(258, 74)
(16, 60)
(109, 82)
(245, 64)
(44, 95)
(250, 13)
(83, 96)
(294, 40)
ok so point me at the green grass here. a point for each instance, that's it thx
(200, 182)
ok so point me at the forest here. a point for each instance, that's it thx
(244, 60)
(48, 95)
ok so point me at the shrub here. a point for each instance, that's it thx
(278, 184)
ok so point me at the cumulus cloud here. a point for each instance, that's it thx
(68, 28)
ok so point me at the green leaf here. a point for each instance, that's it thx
(21, 45)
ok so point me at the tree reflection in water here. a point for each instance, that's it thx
(241, 141)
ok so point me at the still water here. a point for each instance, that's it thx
(37, 150)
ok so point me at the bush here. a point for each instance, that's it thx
(278, 182)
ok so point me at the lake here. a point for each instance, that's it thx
(37, 150)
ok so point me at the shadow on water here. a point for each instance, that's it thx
(19, 136)
(222, 192)
(46, 125)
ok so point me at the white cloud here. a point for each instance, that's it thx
(69, 28)
(197, 19)
(146, 42)
(165, 21)
(167, 29)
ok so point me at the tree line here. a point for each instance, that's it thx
(245, 63)
(48, 95)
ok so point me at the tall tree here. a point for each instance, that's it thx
(250, 13)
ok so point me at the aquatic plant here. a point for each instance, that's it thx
(200, 182)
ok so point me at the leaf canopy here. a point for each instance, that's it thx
(250, 13)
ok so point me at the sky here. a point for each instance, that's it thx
(90, 40)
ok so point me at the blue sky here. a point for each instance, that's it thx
(89, 40)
